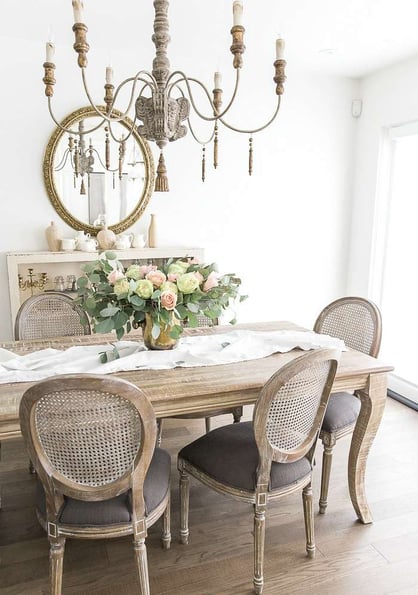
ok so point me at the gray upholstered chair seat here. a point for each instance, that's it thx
(230, 456)
(342, 410)
(116, 510)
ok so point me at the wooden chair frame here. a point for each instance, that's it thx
(268, 453)
(345, 330)
(56, 485)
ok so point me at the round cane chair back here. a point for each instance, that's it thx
(291, 406)
(50, 314)
(355, 320)
(86, 432)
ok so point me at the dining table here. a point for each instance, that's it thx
(183, 390)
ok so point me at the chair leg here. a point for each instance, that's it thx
(56, 558)
(259, 535)
(237, 413)
(159, 431)
(325, 475)
(309, 520)
(184, 507)
(142, 565)
(166, 538)
(207, 424)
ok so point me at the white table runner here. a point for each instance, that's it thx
(207, 350)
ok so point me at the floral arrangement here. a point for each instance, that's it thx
(172, 295)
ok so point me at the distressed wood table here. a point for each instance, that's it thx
(189, 390)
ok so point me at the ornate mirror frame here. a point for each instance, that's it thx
(48, 174)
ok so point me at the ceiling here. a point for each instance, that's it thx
(340, 37)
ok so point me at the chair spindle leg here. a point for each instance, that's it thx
(184, 507)
(56, 557)
(142, 565)
(309, 520)
(325, 475)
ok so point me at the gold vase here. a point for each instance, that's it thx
(163, 341)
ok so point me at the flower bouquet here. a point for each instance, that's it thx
(161, 299)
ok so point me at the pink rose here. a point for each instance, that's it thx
(173, 277)
(198, 276)
(115, 276)
(156, 277)
(211, 282)
(168, 299)
(147, 268)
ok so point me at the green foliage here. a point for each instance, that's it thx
(114, 302)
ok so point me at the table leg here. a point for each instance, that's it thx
(373, 400)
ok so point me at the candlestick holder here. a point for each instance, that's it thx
(33, 283)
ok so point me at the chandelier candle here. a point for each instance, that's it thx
(163, 101)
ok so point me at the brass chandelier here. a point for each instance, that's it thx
(163, 102)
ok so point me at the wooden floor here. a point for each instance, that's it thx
(351, 558)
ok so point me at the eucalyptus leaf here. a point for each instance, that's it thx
(136, 301)
(120, 320)
(104, 326)
(193, 321)
(109, 311)
(89, 267)
(156, 331)
(120, 332)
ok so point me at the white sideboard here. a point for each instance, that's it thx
(68, 263)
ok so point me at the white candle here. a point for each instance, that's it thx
(218, 80)
(109, 75)
(78, 11)
(237, 9)
(279, 48)
(50, 51)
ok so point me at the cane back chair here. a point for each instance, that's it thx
(270, 457)
(50, 314)
(47, 315)
(92, 442)
(358, 322)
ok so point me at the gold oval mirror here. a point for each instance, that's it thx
(91, 179)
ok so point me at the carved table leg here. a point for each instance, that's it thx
(373, 400)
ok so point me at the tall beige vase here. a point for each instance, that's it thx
(53, 237)
(152, 233)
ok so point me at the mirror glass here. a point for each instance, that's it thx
(92, 179)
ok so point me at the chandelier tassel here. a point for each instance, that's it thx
(215, 147)
(107, 148)
(82, 187)
(250, 156)
(203, 163)
(161, 181)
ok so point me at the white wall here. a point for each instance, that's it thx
(284, 230)
(390, 97)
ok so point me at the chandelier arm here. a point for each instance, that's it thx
(135, 78)
(63, 161)
(68, 130)
(201, 142)
(186, 79)
(118, 140)
(109, 117)
(254, 130)
(101, 162)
